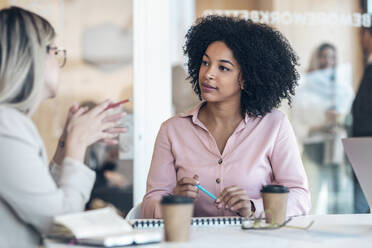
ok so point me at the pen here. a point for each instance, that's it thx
(206, 191)
(114, 105)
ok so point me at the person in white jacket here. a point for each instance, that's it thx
(31, 193)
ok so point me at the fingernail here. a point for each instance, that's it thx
(232, 209)
(218, 200)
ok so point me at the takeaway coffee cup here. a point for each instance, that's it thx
(177, 212)
(275, 199)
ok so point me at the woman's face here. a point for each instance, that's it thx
(327, 58)
(51, 73)
(219, 74)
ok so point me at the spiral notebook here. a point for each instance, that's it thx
(101, 227)
(202, 221)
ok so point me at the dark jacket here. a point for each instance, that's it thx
(362, 106)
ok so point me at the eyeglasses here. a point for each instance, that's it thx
(60, 54)
(260, 224)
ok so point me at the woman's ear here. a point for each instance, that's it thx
(241, 82)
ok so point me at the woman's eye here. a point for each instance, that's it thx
(205, 62)
(223, 68)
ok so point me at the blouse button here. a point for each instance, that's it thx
(218, 180)
(220, 161)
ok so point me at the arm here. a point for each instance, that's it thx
(162, 176)
(76, 136)
(31, 192)
(288, 171)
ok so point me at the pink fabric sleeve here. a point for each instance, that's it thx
(162, 176)
(288, 170)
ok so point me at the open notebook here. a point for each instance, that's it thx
(202, 221)
(103, 227)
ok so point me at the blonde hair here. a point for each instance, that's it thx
(24, 37)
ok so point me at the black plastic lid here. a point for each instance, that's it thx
(175, 199)
(273, 188)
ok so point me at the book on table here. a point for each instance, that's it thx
(103, 227)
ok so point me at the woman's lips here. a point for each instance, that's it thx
(207, 87)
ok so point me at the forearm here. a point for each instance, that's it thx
(75, 150)
(69, 147)
(60, 152)
(299, 202)
(150, 208)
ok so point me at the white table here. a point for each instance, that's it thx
(338, 231)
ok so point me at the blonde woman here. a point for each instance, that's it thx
(31, 193)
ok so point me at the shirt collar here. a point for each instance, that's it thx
(193, 112)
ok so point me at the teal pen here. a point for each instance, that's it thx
(206, 191)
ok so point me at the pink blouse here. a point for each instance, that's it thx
(260, 151)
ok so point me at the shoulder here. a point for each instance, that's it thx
(183, 120)
(275, 122)
(274, 117)
(178, 121)
(313, 74)
(15, 124)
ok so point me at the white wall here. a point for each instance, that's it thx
(182, 17)
(151, 82)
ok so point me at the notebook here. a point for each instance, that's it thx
(202, 221)
(102, 227)
(359, 152)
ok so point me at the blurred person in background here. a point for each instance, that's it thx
(321, 105)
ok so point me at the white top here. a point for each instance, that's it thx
(31, 193)
(321, 91)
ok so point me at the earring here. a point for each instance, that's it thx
(241, 85)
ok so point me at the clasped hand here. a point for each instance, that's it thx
(84, 127)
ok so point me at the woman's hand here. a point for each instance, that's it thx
(237, 200)
(187, 187)
(85, 127)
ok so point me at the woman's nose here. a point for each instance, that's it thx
(210, 73)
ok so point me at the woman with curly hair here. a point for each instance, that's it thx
(234, 141)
